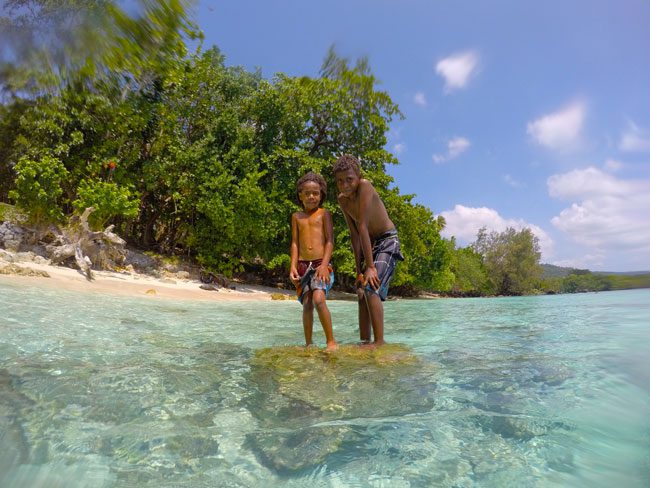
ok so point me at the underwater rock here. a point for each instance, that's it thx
(174, 447)
(293, 451)
(13, 269)
(298, 389)
(282, 296)
(14, 449)
(524, 428)
(519, 427)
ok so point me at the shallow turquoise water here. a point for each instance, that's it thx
(112, 392)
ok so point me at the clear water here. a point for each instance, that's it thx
(102, 391)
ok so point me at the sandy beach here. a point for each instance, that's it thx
(129, 284)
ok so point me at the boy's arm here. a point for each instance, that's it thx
(293, 270)
(366, 193)
(354, 238)
(328, 234)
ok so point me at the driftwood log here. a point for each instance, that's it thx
(99, 249)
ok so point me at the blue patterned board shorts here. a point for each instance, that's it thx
(386, 252)
(308, 280)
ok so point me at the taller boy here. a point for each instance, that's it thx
(375, 244)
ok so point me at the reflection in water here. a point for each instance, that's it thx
(538, 391)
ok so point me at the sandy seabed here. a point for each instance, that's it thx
(134, 284)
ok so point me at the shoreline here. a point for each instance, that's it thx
(26, 268)
(27, 272)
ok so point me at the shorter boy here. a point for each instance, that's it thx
(311, 251)
(375, 245)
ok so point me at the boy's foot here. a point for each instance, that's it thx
(371, 345)
(331, 346)
(310, 345)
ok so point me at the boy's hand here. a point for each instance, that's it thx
(360, 282)
(371, 277)
(293, 275)
(359, 285)
(323, 273)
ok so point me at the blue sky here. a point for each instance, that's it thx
(518, 113)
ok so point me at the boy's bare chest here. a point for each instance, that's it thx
(308, 222)
(351, 208)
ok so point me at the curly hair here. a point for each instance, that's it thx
(316, 178)
(345, 163)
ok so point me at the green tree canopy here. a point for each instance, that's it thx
(188, 155)
(511, 259)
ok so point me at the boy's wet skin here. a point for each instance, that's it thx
(369, 224)
(311, 251)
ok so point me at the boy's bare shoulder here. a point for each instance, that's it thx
(366, 185)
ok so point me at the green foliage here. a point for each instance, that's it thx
(511, 259)
(628, 282)
(108, 199)
(471, 276)
(582, 281)
(575, 283)
(207, 155)
(427, 255)
(51, 44)
(38, 188)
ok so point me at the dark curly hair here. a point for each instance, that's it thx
(316, 178)
(345, 163)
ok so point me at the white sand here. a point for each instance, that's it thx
(111, 283)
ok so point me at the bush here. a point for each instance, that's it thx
(38, 188)
(109, 201)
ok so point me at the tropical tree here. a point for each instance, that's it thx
(188, 155)
(511, 259)
(470, 274)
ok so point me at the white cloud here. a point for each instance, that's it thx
(420, 99)
(584, 183)
(635, 139)
(455, 147)
(613, 165)
(512, 182)
(464, 223)
(457, 69)
(561, 129)
(608, 216)
(399, 148)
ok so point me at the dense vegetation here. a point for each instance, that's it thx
(581, 280)
(187, 155)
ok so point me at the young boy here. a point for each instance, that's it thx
(311, 251)
(374, 243)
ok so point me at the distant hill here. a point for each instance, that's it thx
(621, 273)
(552, 271)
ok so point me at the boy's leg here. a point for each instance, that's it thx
(364, 317)
(325, 317)
(308, 316)
(376, 310)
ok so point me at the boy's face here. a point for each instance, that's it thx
(347, 182)
(309, 195)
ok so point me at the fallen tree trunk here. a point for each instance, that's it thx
(99, 249)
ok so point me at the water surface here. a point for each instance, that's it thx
(105, 391)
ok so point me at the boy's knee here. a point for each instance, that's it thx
(307, 301)
(318, 299)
